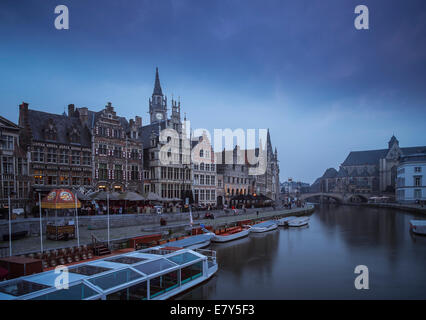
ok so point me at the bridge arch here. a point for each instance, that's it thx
(338, 197)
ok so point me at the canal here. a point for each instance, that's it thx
(318, 262)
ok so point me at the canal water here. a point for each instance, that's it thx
(318, 262)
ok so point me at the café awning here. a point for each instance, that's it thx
(60, 199)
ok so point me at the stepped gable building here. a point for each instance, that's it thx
(60, 150)
(117, 153)
(167, 170)
(369, 172)
(204, 175)
(14, 167)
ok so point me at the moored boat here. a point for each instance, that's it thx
(418, 226)
(298, 222)
(193, 242)
(151, 274)
(284, 221)
(230, 234)
(264, 226)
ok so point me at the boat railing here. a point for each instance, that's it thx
(210, 254)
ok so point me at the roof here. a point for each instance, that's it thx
(37, 121)
(372, 157)
(157, 86)
(330, 173)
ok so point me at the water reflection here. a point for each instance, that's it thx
(318, 262)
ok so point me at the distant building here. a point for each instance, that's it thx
(366, 172)
(14, 166)
(411, 176)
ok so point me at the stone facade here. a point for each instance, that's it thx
(204, 175)
(60, 150)
(117, 152)
(167, 150)
(14, 167)
(411, 179)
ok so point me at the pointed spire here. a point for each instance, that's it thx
(157, 86)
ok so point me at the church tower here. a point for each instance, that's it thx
(158, 102)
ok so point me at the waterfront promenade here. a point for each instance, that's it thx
(179, 227)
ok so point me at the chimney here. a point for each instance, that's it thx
(23, 114)
(138, 121)
(71, 110)
(84, 114)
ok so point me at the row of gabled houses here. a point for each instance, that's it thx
(100, 150)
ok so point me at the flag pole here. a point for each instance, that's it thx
(10, 230)
(108, 215)
(76, 218)
(41, 225)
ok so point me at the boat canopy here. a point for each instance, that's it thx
(190, 241)
(265, 224)
(97, 279)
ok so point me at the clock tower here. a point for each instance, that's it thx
(158, 102)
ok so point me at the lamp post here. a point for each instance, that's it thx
(11, 194)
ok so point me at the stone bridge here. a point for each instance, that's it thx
(339, 197)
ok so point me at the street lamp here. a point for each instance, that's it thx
(11, 194)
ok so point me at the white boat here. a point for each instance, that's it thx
(192, 242)
(418, 226)
(264, 227)
(150, 274)
(298, 222)
(284, 221)
(232, 234)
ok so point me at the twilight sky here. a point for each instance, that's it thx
(297, 67)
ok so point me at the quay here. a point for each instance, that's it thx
(120, 234)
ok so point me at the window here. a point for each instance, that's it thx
(51, 155)
(103, 171)
(76, 157)
(207, 167)
(134, 154)
(38, 177)
(38, 154)
(201, 179)
(118, 172)
(219, 183)
(7, 142)
(202, 167)
(212, 167)
(196, 179)
(103, 149)
(213, 180)
(8, 165)
(64, 157)
(86, 159)
(52, 180)
(8, 188)
(64, 180)
(117, 152)
(417, 181)
(134, 173)
(417, 169)
(75, 181)
(213, 194)
(22, 166)
(196, 167)
(201, 153)
(417, 194)
(202, 194)
(207, 180)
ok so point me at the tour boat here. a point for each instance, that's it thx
(418, 226)
(150, 274)
(193, 242)
(230, 234)
(263, 227)
(298, 222)
(284, 221)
